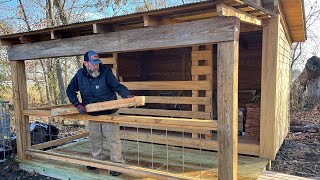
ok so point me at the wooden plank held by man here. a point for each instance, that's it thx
(101, 106)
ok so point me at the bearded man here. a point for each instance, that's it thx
(96, 83)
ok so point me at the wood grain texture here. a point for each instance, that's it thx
(224, 10)
(269, 78)
(101, 106)
(20, 103)
(228, 58)
(212, 30)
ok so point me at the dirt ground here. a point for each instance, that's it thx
(299, 154)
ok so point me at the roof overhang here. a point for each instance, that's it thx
(293, 11)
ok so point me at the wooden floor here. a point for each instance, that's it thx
(190, 163)
(268, 175)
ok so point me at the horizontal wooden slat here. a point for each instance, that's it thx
(59, 141)
(34, 112)
(201, 55)
(213, 30)
(163, 128)
(165, 113)
(119, 167)
(243, 147)
(144, 120)
(225, 10)
(101, 106)
(111, 60)
(168, 85)
(177, 100)
(201, 70)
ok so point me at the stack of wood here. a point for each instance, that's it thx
(253, 120)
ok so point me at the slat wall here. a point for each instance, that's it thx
(282, 122)
(201, 70)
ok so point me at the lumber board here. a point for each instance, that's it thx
(201, 70)
(224, 10)
(184, 34)
(166, 113)
(59, 141)
(32, 112)
(228, 61)
(100, 106)
(110, 60)
(19, 82)
(164, 128)
(168, 85)
(177, 100)
(269, 81)
(119, 167)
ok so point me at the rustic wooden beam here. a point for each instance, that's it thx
(212, 30)
(177, 100)
(166, 113)
(59, 141)
(137, 120)
(19, 82)
(228, 62)
(224, 10)
(101, 106)
(151, 21)
(101, 28)
(168, 85)
(119, 167)
(269, 79)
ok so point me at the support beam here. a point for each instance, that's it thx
(151, 21)
(120, 167)
(20, 103)
(224, 10)
(270, 50)
(101, 106)
(228, 58)
(101, 28)
(165, 36)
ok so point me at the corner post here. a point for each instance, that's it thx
(20, 103)
(227, 61)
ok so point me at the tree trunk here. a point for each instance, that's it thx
(305, 90)
(46, 82)
(62, 93)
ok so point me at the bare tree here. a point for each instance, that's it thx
(312, 19)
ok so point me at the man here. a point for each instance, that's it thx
(97, 83)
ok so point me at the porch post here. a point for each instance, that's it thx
(20, 103)
(227, 62)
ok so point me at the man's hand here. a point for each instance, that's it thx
(81, 108)
(130, 96)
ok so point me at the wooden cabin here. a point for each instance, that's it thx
(199, 66)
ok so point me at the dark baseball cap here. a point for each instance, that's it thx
(92, 57)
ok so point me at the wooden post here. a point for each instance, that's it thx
(228, 108)
(20, 104)
(269, 88)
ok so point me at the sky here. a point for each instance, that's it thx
(36, 13)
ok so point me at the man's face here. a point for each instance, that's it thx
(91, 66)
(93, 70)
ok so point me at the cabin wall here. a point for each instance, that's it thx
(283, 94)
(275, 97)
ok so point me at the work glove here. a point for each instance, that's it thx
(81, 108)
(129, 96)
